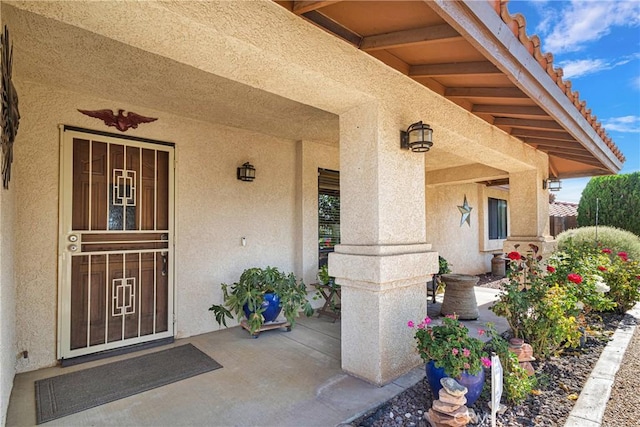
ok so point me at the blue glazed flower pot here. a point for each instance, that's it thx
(271, 304)
(473, 383)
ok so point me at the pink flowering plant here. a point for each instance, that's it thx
(538, 306)
(622, 277)
(547, 302)
(581, 272)
(450, 346)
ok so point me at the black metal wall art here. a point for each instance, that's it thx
(10, 113)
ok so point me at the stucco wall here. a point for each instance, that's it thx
(8, 349)
(7, 299)
(213, 210)
(466, 248)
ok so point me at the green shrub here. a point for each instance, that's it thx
(614, 199)
(610, 277)
(443, 265)
(516, 381)
(589, 263)
(537, 308)
(608, 237)
(622, 275)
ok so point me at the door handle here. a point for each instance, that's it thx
(164, 263)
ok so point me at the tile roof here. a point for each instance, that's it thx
(517, 24)
(563, 209)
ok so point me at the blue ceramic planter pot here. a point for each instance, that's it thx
(271, 304)
(473, 383)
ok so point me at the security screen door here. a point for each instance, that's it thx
(115, 243)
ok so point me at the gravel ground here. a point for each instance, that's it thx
(559, 382)
(623, 409)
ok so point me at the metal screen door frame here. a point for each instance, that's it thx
(156, 245)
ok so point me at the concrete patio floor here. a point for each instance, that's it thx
(280, 379)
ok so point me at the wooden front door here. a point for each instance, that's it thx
(115, 243)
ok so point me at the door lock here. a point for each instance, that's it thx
(73, 248)
(73, 238)
(164, 263)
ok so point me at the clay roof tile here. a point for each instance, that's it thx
(517, 24)
(563, 209)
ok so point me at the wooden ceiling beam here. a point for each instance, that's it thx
(409, 37)
(551, 143)
(495, 182)
(485, 92)
(300, 7)
(509, 110)
(527, 123)
(589, 161)
(542, 134)
(574, 151)
(454, 69)
(333, 27)
(568, 150)
(596, 171)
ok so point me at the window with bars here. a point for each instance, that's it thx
(497, 219)
(328, 213)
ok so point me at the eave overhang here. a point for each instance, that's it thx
(477, 55)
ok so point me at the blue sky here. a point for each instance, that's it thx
(597, 44)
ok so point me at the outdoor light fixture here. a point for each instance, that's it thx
(417, 138)
(552, 184)
(246, 172)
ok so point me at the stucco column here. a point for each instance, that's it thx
(528, 213)
(383, 261)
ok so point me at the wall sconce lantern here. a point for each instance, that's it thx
(246, 172)
(417, 138)
(552, 184)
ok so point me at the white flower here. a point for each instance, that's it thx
(602, 287)
(579, 305)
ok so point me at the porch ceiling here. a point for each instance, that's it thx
(419, 40)
(59, 55)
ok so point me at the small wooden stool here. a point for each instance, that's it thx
(331, 295)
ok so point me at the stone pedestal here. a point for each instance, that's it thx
(459, 296)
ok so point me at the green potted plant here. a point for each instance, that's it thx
(324, 278)
(260, 295)
(448, 350)
(436, 285)
(329, 291)
(443, 268)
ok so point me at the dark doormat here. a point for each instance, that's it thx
(67, 394)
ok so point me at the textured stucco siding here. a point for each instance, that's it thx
(297, 61)
(466, 248)
(8, 349)
(213, 210)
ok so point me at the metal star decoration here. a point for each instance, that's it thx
(465, 210)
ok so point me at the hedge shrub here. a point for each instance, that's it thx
(608, 237)
(615, 198)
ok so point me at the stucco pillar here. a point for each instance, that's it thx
(383, 261)
(529, 213)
